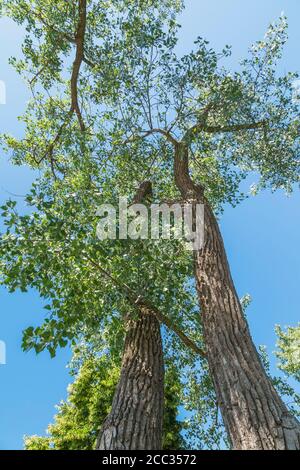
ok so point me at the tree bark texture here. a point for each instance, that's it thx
(254, 415)
(136, 418)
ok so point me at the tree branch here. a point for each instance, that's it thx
(149, 132)
(62, 34)
(219, 129)
(167, 322)
(143, 191)
(50, 150)
(79, 41)
(140, 302)
(44, 21)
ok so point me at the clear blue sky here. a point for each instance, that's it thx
(261, 235)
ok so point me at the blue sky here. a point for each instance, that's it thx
(261, 235)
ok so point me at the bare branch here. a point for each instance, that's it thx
(149, 132)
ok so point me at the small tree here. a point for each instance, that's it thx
(288, 350)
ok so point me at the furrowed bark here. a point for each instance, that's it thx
(136, 418)
(254, 415)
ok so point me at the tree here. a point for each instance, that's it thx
(288, 350)
(281, 384)
(77, 423)
(89, 400)
(189, 125)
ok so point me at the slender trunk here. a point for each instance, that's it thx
(136, 418)
(254, 414)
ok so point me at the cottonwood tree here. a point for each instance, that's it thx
(131, 110)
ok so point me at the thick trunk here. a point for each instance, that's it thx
(136, 418)
(254, 414)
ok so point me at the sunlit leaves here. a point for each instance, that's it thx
(288, 351)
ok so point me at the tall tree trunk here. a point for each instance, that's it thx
(136, 418)
(254, 414)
